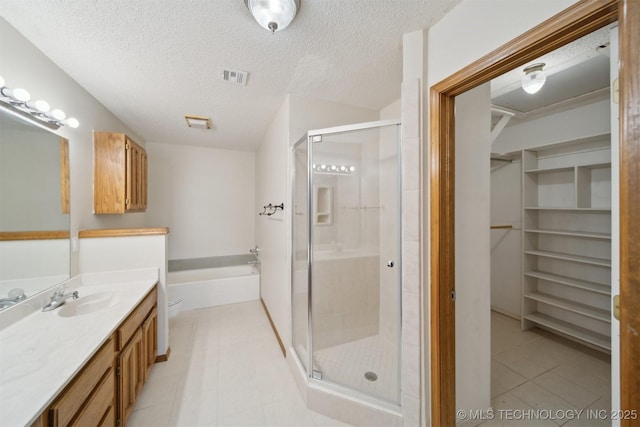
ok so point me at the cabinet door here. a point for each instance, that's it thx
(150, 339)
(130, 376)
(136, 172)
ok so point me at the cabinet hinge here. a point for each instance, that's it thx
(118, 422)
(126, 146)
(126, 202)
(118, 371)
(453, 296)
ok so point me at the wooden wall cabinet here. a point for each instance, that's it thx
(104, 393)
(119, 174)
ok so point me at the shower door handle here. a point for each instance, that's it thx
(390, 263)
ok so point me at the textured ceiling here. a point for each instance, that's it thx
(152, 61)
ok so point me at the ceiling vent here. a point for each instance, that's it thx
(233, 76)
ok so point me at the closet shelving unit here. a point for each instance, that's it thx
(566, 217)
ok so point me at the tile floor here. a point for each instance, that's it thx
(225, 369)
(539, 370)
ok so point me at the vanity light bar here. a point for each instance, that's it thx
(19, 99)
(334, 169)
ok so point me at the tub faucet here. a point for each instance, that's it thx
(59, 298)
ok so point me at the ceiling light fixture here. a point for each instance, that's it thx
(18, 102)
(273, 15)
(200, 122)
(534, 78)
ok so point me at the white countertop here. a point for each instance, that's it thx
(43, 351)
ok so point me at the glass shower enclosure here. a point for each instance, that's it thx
(345, 295)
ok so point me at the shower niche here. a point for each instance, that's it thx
(345, 293)
(323, 197)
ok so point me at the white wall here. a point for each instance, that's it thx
(206, 198)
(104, 254)
(273, 232)
(472, 242)
(506, 244)
(23, 65)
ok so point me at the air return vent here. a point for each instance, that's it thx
(233, 76)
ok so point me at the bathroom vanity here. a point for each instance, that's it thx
(85, 362)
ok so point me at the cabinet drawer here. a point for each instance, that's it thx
(62, 411)
(135, 319)
(100, 403)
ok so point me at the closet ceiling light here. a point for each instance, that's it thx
(273, 15)
(534, 78)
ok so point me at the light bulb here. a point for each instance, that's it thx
(333, 167)
(40, 105)
(323, 167)
(352, 168)
(343, 168)
(273, 15)
(72, 122)
(57, 114)
(17, 94)
(534, 78)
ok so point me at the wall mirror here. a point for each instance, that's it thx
(34, 209)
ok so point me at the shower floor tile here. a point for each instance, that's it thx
(347, 364)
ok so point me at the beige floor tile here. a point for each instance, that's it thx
(535, 357)
(195, 410)
(588, 372)
(540, 399)
(158, 390)
(504, 379)
(253, 417)
(573, 393)
(151, 416)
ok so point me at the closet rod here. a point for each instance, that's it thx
(495, 227)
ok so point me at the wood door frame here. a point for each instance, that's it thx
(578, 20)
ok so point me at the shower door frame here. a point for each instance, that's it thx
(309, 137)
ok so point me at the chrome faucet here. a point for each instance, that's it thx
(59, 298)
(15, 296)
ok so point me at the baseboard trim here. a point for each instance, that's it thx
(163, 357)
(273, 326)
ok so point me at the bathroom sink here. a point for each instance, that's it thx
(87, 305)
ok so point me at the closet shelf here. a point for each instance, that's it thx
(576, 307)
(583, 334)
(550, 170)
(569, 257)
(604, 236)
(569, 168)
(570, 281)
(551, 208)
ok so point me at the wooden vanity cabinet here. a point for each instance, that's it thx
(90, 398)
(119, 174)
(138, 346)
(104, 393)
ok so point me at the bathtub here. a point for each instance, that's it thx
(208, 287)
